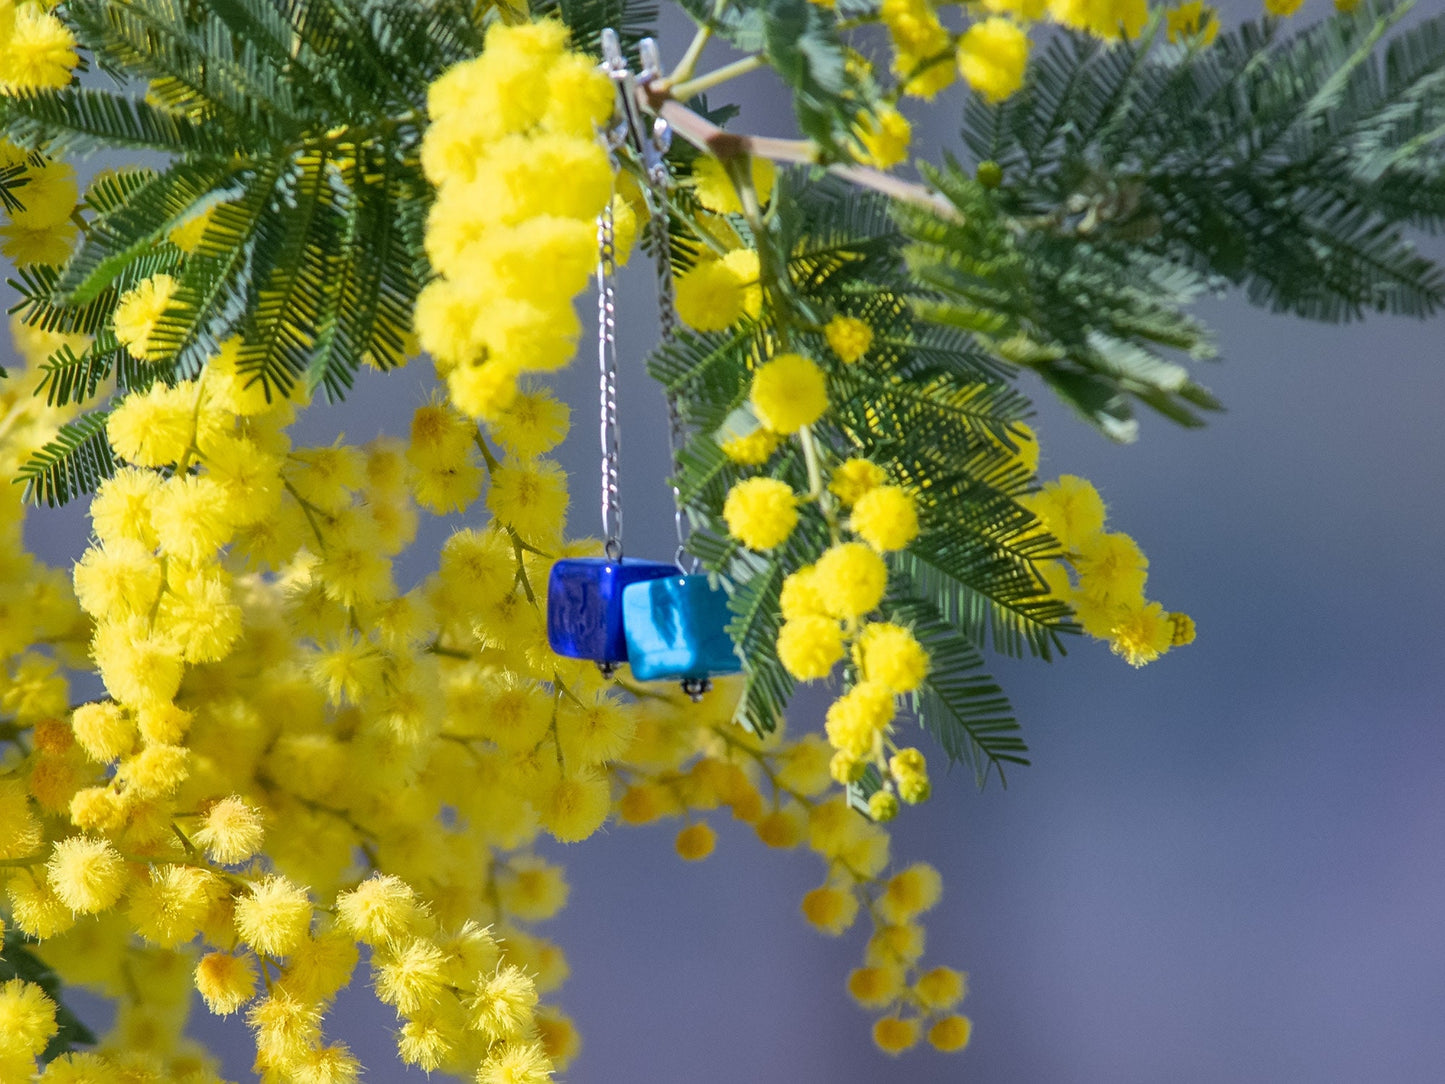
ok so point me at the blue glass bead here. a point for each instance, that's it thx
(584, 604)
(677, 628)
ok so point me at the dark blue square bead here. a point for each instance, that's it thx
(584, 605)
(677, 628)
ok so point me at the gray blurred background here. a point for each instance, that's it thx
(1228, 866)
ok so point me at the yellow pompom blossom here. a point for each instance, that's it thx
(851, 579)
(27, 1020)
(37, 50)
(895, 1034)
(20, 831)
(992, 56)
(1024, 10)
(853, 478)
(761, 512)
(1070, 509)
(1284, 8)
(921, 45)
(940, 988)
(950, 1034)
(718, 292)
(274, 917)
(714, 188)
(830, 908)
(1107, 19)
(139, 310)
(848, 337)
(886, 517)
(695, 842)
(231, 831)
(1192, 21)
(890, 654)
(752, 450)
(908, 771)
(788, 393)
(41, 228)
(809, 646)
(86, 874)
(884, 138)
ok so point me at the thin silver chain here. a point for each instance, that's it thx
(667, 320)
(607, 381)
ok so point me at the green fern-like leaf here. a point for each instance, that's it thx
(71, 465)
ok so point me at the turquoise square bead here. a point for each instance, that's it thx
(584, 605)
(676, 627)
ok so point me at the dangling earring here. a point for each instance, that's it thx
(584, 594)
(676, 625)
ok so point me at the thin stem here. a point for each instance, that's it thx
(690, 87)
(810, 456)
(688, 63)
(706, 136)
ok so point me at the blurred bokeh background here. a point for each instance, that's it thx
(1227, 866)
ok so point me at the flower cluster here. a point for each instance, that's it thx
(40, 228)
(684, 765)
(1101, 575)
(520, 177)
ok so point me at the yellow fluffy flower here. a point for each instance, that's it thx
(530, 497)
(231, 831)
(910, 893)
(169, 907)
(848, 337)
(1141, 633)
(226, 982)
(156, 427)
(20, 830)
(40, 52)
(1282, 7)
(576, 806)
(274, 917)
(808, 646)
(1112, 567)
(851, 579)
(761, 512)
(1107, 19)
(951, 1033)
(889, 653)
(503, 1005)
(894, 1034)
(1193, 20)
(139, 310)
(714, 188)
(856, 721)
(884, 138)
(789, 392)
(992, 56)
(886, 517)
(27, 1019)
(752, 450)
(830, 908)
(940, 988)
(712, 295)
(1070, 509)
(875, 987)
(695, 842)
(88, 875)
(853, 478)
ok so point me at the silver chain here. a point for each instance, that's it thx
(607, 381)
(651, 143)
(667, 320)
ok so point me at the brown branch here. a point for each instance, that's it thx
(707, 136)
